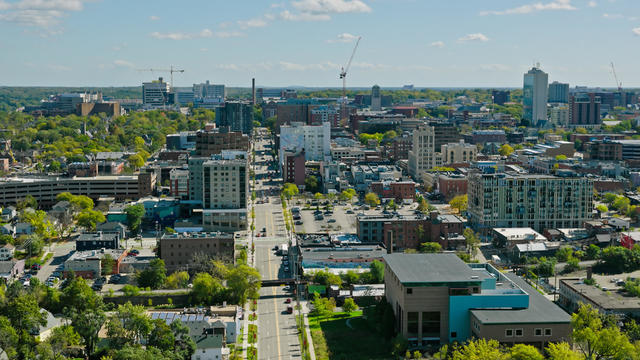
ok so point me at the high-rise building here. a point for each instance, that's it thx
(315, 140)
(559, 115)
(500, 97)
(236, 116)
(155, 93)
(584, 110)
(445, 133)
(422, 156)
(207, 90)
(212, 142)
(535, 95)
(376, 98)
(459, 152)
(220, 181)
(529, 200)
(558, 92)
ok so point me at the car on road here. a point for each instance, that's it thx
(286, 269)
(319, 217)
(299, 222)
(264, 230)
(289, 309)
(331, 220)
(349, 211)
(135, 251)
(97, 286)
(288, 301)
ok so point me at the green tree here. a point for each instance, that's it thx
(459, 203)
(525, 352)
(39, 220)
(136, 161)
(561, 157)
(371, 199)
(177, 280)
(290, 190)
(505, 150)
(480, 349)
(135, 213)
(351, 277)
(561, 351)
(430, 247)
(564, 253)
(88, 219)
(347, 195)
(154, 275)
(390, 134)
(602, 208)
(88, 324)
(311, 184)
(63, 337)
(128, 325)
(573, 264)
(243, 282)
(377, 271)
(161, 336)
(423, 205)
(28, 202)
(472, 240)
(107, 263)
(205, 289)
(81, 202)
(593, 252)
(8, 338)
(596, 341)
(349, 305)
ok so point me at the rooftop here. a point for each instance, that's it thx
(608, 300)
(540, 309)
(94, 254)
(197, 235)
(520, 234)
(430, 268)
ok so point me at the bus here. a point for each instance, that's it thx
(284, 249)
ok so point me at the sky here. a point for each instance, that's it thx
(427, 43)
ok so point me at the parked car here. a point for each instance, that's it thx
(286, 269)
(288, 301)
(289, 309)
(135, 251)
(331, 220)
(299, 222)
(36, 267)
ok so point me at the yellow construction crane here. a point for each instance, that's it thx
(171, 70)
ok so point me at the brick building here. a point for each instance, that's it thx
(209, 142)
(452, 185)
(401, 191)
(603, 150)
(293, 169)
(177, 250)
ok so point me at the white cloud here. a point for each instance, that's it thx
(256, 22)
(438, 44)
(592, 4)
(495, 67)
(289, 66)
(612, 16)
(154, 18)
(330, 6)
(39, 13)
(636, 31)
(123, 63)
(204, 33)
(344, 37)
(530, 8)
(289, 16)
(474, 37)
(58, 68)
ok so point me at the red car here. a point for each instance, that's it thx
(288, 301)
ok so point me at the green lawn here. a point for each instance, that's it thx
(333, 339)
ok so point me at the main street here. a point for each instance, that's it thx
(277, 333)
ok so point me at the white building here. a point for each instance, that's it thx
(535, 95)
(423, 156)
(559, 115)
(459, 152)
(6, 252)
(179, 183)
(155, 93)
(314, 139)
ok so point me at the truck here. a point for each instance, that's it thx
(283, 249)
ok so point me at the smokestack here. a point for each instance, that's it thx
(253, 91)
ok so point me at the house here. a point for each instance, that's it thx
(10, 269)
(23, 228)
(88, 264)
(439, 299)
(6, 252)
(97, 240)
(9, 213)
(43, 332)
(510, 237)
(113, 227)
(61, 210)
(7, 229)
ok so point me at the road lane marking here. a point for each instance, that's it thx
(275, 304)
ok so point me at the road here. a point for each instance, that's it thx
(277, 333)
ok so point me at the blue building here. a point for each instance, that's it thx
(437, 298)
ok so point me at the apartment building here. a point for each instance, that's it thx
(236, 116)
(212, 142)
(422, 156)
(437, 298)
(315, 140)
(155, 93)
(529, 200)
(177, 249)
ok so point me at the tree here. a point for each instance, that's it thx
(205, 289)
(596, 341)
(347, 195)
(573, 264)
(505, 150)
(33, 245)
(107, 263)
(459, 203)
(593, 252)
(423, 205)
(480, 349)
(290, 190)
(564, 253)
(430, 247)
(28, 202)
(161, 336)
(390, 134)
(136, 161)
(371, 199)
(561, 157)
(243, 282)
(311, 184)
(177, 280)
(88, 219)
(377, 271)
(135, 213)
(472, 240)
(88, 324)
(63, 337)
(525, 352)
(154, 275)
(81, 202)
(561, 351)
(602, 208)
(40, 222)
(128, 325)
(8, 338)
(546, 267)
(318, 196)
(351, 277)
(349, 305)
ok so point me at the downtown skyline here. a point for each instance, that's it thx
(304, 43)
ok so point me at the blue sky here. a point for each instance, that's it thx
(431, 43)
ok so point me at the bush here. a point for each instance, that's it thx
(130, 290)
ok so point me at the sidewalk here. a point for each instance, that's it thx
(305, 311)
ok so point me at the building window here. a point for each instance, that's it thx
(409, 291)
(412, 324)
(508, 333)
(431, 324)
(538, 332)
(547, 332)
(519, 332)
(454, 334)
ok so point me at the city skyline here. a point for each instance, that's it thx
(304, 43)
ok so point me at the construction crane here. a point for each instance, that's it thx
(343, 76)
(615, 76)
(171, 70)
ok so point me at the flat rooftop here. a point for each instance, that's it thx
(609, 300)
(540, 310)
(430, 268)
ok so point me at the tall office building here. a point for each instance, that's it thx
(422, 156)
(500, 97)
(529, 200)
(315, 140)
(558, 92)
(376, 98)
(155, 93)
(535, 95)
(236, 115)
(207, 90)
(584, 110)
